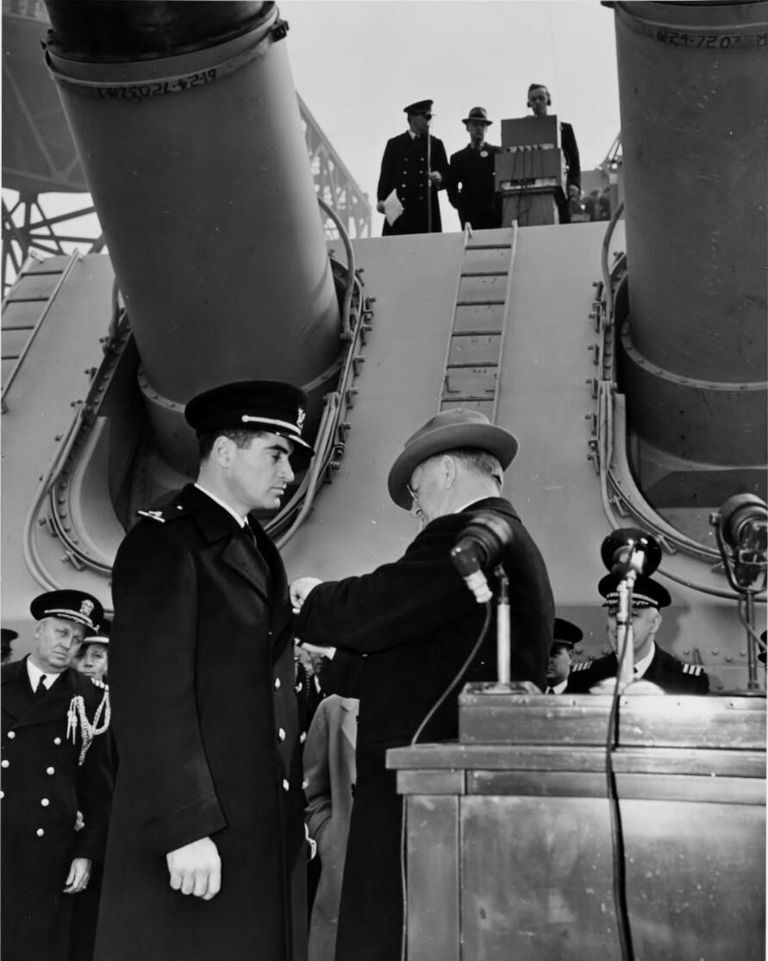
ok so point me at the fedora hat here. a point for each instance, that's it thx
(478, 115)
(448, 430)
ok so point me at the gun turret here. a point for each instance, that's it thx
(188, 128)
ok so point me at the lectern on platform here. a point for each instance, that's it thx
(529, 170)
(508, 830)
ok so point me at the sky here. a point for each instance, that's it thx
(357, 63)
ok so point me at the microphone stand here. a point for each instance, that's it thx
(503, 643)
(624, 642)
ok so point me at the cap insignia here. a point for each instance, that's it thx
(86, 608)
(300, 417)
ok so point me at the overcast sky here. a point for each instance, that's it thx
(357, 63)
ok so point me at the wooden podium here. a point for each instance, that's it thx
(509, 850)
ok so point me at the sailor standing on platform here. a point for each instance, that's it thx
(539, 101)
(55, 762)
(414, 167)
(651, 662)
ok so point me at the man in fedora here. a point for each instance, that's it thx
(55, 763)
(651, 662)
(471, 176)
(414, 167)
(403, 634)
(206, 847)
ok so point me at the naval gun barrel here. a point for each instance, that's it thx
(188, 129)
(694, 122)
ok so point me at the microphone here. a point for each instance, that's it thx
(630, 549)
(480, 545)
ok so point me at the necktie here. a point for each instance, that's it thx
(250, 534)
(41, 689)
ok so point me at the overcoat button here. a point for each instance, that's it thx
(286, 785)
(304, 784)
(280, 734)
(299, 688)
(45, 802)
(11, 735)
(2, 794)
(277, 683)
(5, 763)
(49, 770)
(39, 832)
(57, 740)
(302, 737)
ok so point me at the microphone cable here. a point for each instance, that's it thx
(617, 835)
(430, 714)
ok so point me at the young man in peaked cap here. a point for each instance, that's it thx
(206, 851)
(651, 662)
(415, 166)
(55, 762)
(471, 187)
(403, 633)
(567, 636)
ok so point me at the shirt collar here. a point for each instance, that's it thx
(34, 673)
(644, 663)
(470, 503)
(242, 521)
(559, 688)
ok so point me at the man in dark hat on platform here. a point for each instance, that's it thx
(567, 636)
(405, 635)
(471, 176)
(651, 663)
(7, 637)
(539, 101)
(413, 169)
(206, 848)
(55, 762)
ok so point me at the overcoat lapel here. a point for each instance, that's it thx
(237, 555)
(52, 707)
(217, 525)
(17, 694)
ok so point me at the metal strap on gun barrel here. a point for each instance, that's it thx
(604, 259)
(347, 331)
(175, 83)
(325, 436)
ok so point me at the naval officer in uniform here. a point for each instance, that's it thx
(651, 662)
(55, 762)
(205, 857)
(415, 166)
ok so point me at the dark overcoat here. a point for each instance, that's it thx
(329, 769)
(471, 186)
(414, 622)
(44, 786)
(671, 675)
(404, 169)
(202, 681)
(573, 171)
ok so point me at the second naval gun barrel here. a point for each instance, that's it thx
(188, 128)
(694, 122)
